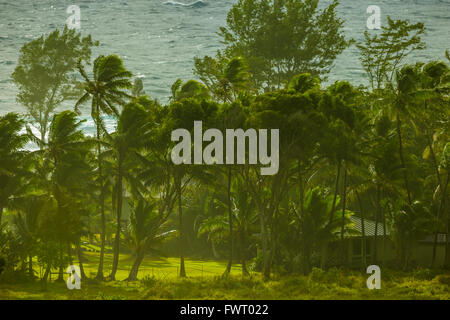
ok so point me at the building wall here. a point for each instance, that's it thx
(421, 253)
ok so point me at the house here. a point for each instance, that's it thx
(382, 248)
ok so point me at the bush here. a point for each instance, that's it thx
(15, 276)
(425, 274)
(257, 264)
(149, 281)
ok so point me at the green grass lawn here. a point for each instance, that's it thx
(160, 268)
(159, 280)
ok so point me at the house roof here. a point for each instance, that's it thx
(369, 228)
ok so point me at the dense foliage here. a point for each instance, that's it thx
(380, 153)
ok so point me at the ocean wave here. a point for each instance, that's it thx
(196, 4)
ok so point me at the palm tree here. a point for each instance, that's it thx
(225, 78)
(191, 102)
(145, 230)
(123, 145)
(314, 226)
(231, 116)
(107, 91)
(63, 163)
(11, 157)
(432, 120)
(235, 79)
(29, 208)
(407, 81)
(245, 219)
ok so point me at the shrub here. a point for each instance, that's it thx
(256, 264)
(149, 281)
(15, 276)
(443, 279)
(227, 283)
(424, 274)
(317, 275)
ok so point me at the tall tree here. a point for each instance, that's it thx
(281, 38)
(63, 164)
(107, 91)
(122, 147)
(383, 53)
(45, 73)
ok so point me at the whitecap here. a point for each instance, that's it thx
(196, 4)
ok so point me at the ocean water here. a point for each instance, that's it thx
(158, 38)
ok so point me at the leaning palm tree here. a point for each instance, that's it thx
(107, 90)
(225, 78)
(235, 79)
(146, 229)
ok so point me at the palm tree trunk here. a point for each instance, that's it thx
(213, 248)
(265, 246)
(438, 214)
(180, 216)
(230, 222)
(69, 253)
(336, 187)
(102, 207)
(324, 254)
(274, 238)
(344, 200)
(447, 245)
(306, 253)
(30, 265)
(301, 189)
(242, 246)
(61, 266)
(80, 261)
(119, 217)
(402, 159)
(45, 277)
(363, 232)
(383, 215)
(324, 257)
(377, 219)
(444, 209)
(135, 268)
(245, 272)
